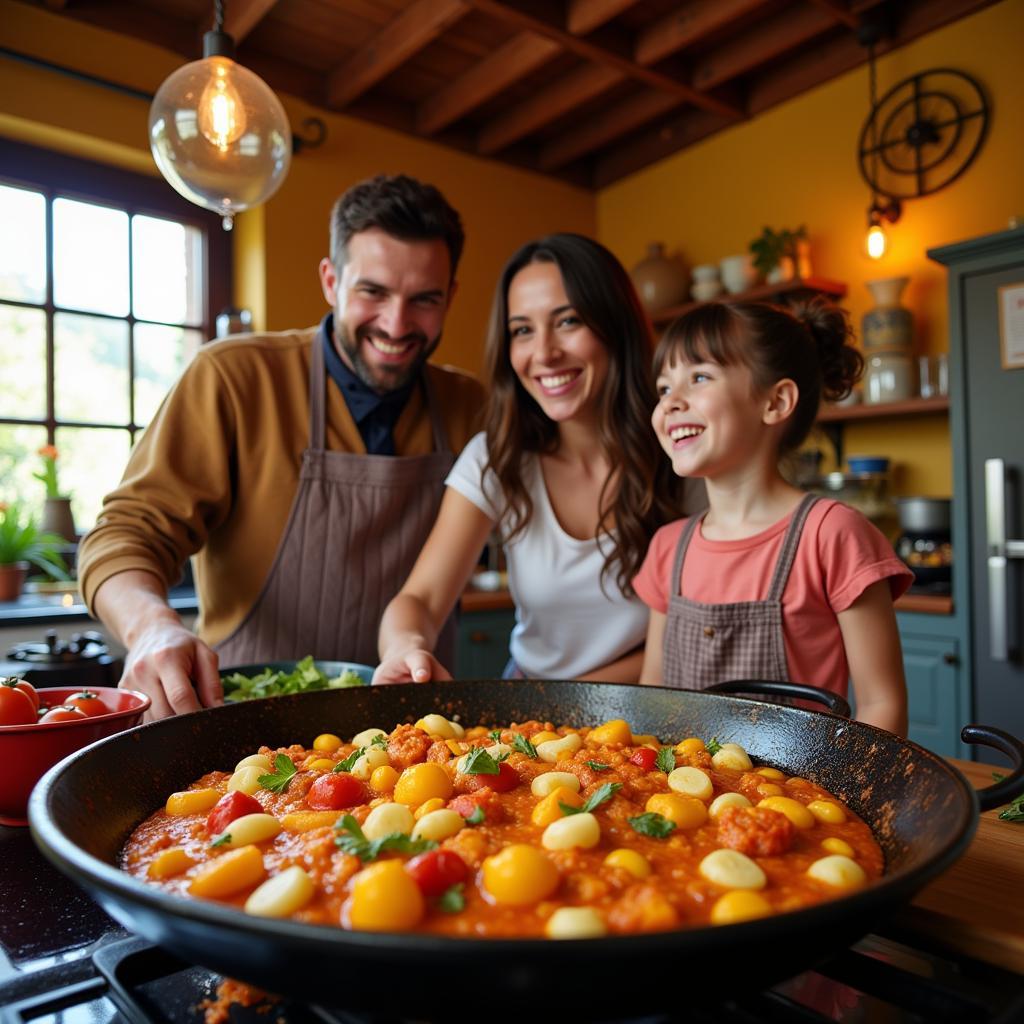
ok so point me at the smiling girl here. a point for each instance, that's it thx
(567, 472)
(769, 583)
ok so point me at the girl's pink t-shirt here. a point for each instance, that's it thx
(839, 556)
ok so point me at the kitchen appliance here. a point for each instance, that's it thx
(922, 811)
(868, 493)
(924, 543)
(83, 660)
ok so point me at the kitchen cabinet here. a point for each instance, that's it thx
(935, 690)
(481, 650)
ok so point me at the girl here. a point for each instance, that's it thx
(567, 471)
(770, 583)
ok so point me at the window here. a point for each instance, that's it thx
(109, 282)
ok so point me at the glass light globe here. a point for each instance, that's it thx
(220, 136)
(876, 242)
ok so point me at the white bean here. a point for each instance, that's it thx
(575, 923)
(281, 895)
(732, 755)
(375, 757)
(438, 825)
(385, 819)
(580, 830)
(548, 782)
(691, 782)
(366, 737)
(257, 761)
(246, 780)
(838, 871)
(551, 750)
(497, 749)
(249, 829)
(732, 870)
(724, 800)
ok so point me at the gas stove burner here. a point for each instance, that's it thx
(81, 660)
(80, 647)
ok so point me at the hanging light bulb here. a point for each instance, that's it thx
(218, 133)
(877, 242)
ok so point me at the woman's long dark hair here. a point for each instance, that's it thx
(640, 493)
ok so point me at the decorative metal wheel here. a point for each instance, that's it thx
(923, 133)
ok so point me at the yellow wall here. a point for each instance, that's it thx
(797, 164)
(278, 246)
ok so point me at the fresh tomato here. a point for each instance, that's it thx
(16, 707)
(29, 690)
(230, 806)
(437, 870)
(645, 758)
(484, 800)
(87, 702)
(335, 791)
(62, 714)
(506, 779)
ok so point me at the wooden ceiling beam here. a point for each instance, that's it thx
(584, 16)
(628, 68)
(618, 120)
(685, 26)
(400, 39)
(760, 45)
(511, 62)
(552, 102)
(242, 16)
(839, 11)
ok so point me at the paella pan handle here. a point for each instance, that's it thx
(1006, 789)
(832, 701)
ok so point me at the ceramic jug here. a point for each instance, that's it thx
(660, 282)
(888, 325)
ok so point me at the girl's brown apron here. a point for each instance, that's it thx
(356, 527)
(715, 643)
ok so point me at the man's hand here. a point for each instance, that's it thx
(163, 662)
(414, 667)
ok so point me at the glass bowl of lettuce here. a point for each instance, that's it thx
(275, 678)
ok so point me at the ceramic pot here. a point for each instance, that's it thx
(660, 281)
(705, 291)
(12, 579)
(57, 518)
(888, 377)
(738, 273)
(888, 325)
(784, 270)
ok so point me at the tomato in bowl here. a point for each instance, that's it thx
(27, 750)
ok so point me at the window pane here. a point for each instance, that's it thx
(22, 245)
(92, 461)
(22, 363)
(161, 353)
(19, 459)
(90, 257)
(91, 373)
(167, 271)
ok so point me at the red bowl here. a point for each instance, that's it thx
(27, 751)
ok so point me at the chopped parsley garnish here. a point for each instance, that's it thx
(222, 840)
(380, 740)
(477, 817)
(598, 797)
(713, 746)
(495, 734)
(666, 760)
(480, 762)
(524, 746)
(277, 780)
(599, 766)
(651, 824)
(452, 900)
(351, 839)
(350, 762)
(1015, 812)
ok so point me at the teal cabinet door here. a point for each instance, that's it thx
(932, 667)
(482, 644)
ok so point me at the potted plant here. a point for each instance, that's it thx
(57, 517)
(22, 545)
(778, 255)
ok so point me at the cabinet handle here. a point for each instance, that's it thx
(478, 636)
(999, 550)
(950, 658)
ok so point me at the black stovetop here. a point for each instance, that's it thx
(64, 961)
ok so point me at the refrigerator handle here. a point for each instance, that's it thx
(999, 549)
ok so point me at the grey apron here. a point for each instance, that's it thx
(356, 527)
(714, 643)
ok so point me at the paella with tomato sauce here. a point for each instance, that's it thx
(525, 830)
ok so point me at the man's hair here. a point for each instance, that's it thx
(402, 207)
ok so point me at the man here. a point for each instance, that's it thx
(303, 469)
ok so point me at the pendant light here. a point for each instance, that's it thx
(218, 133)
(876, 242)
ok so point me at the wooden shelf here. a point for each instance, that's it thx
(931, 604)
(766, 292)
(910, 407)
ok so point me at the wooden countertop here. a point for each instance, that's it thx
(977, 907)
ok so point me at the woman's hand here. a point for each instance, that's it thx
(417, 666)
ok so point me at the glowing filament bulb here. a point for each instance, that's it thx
(876, 243)
(221, 110)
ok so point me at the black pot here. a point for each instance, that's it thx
(925, 515)
(923, 813)
(82, 660)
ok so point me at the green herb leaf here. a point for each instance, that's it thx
(351, 839)
(651, 824)
(272, 683)
(350, 762)
(277, 780)
(599, 766)
(380, 740)
(713, 746)
(598, 797)
(479, 762)
(452, 900)
(222, 840)
(666, 760)
(524, 746)
(495, 734)
(477, 817)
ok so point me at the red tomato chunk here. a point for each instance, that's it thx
(644, 758)
(230, 806)
(755, 831)
(437, 870)
(336, 791)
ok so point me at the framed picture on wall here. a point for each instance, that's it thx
(1011, 326)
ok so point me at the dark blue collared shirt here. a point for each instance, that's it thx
(375, 414)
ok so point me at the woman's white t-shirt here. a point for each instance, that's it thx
(567, 623)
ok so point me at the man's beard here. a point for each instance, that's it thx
(382, 378)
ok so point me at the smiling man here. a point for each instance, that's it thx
(302, 469)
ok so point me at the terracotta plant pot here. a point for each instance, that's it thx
(12, 579)
(57, 518)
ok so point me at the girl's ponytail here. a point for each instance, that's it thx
(841, 364)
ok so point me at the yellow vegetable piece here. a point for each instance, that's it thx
(384, 899)
(170, 862)
(645, 739)
(629, 860)
(320, 764)
(547, 810)
(191, 801)
(691, 745)
(770, 789)
(421, 782)
(771, 773)
(792, 809)
(519, 875)
(825, 810)
(435, 803)
(228, 874)
(685, 811)
(383, 779)
(327, 742)
(615, 731)
(544, 736)
(306, 821)
(836, 845)
(739, 905)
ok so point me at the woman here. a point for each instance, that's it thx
(567, 472)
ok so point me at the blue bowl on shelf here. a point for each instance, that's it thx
(868, 464)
